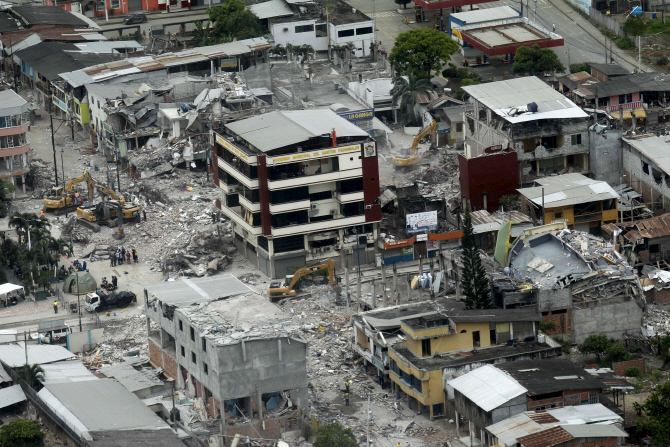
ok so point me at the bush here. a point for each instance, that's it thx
(663, 60)
(584, 66)
(633, 371)
(547, 326)
(634, 26)
(22, 433)
(566, 346)
(656, 376)
(617, 353)
(510, 202)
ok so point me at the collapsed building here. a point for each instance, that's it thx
(229, 347)
(576, 280)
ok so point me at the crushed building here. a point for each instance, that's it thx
(232, 349)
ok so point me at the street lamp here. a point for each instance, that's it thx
(53, 145)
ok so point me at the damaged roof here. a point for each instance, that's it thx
(550, 375)
(610, 69)
(390, 317)
(188, 291)
(513, 95)
(546, 438)
(495, 315)
(655, 148)
(651, 228)
(567, 189)
(282, 128)
(487, 387)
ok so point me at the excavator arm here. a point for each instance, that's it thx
(413, 158)
(82, 178)
(415, 144)
(287, 291)
(110, 193)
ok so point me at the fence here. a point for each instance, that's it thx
(608, 22)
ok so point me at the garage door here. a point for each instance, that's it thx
(134, 5)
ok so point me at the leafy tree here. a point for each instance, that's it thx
(633, 371)
(205, 35)
(421, 51)
(596, 344)
(655, 415)
(22, 433)
(634, 26)
(278, 50)
(406, 89)
(452, 71)
(532, 60)
(403, 3)
(460, 93)
(305, 51)
(616, 352)
(6, 188)
(547, 326)
(33, 375)
(664, 349)
(334, 435)
(233, 20)
(584, 66)
(475, 283)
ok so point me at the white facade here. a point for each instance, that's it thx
(303, 32)
(361, 34)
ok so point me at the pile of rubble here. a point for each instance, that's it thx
(205, 252)
(123, 338)
(656, 321)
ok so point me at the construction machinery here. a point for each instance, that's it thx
(412, 158)
(292, 284)
(105, 213)
(59, 199)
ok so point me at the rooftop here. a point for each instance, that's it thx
(130, 377)
(550, 375)
(50, 59)
(523, 424)
(389, 317)
(657, 149)
(134, 438)
(189, 291)
(99, 405)
(14, 354)
(297, 126)
(495, 315)
(546, 438)
(546, 260)
(485, 15)
(610, 69)
(483, 355)
(507, 35)
(574, 80)
(564, 433)
(47, 15)
(487, 387)
(11, 103)
(510, 99)
(67, 371)
(567, 189)
(651, 228)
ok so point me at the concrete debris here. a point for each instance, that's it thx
(655, 321)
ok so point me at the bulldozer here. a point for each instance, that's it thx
(59, 199)
(413, 158)
(291, 283)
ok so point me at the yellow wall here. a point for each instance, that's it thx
(431, 382)
(569, 215)
(453, 342)
(430, 332)
(83, 117)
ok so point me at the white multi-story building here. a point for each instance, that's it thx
(299, 186)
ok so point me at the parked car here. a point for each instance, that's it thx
(135, 18)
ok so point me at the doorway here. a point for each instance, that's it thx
(476, 342)
(425, 347)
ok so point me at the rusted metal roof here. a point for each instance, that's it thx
(546, 438)
(542, 418)
(651, 228)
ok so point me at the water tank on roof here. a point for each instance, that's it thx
(532, 107)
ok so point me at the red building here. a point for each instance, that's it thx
(92, 8)
(485, 179)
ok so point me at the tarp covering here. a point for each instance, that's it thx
(87, 284)
(9, 287)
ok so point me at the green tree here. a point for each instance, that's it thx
(233, 19)
(460, 93)
(655, 415)
(22, 433)
(584, 66)
(205, 35)
(475, 282)
(664, 349)
(634, 26)
(535, 60)
(452, 71)
(596, 344)
(278, 50)
(6, 188)
(33, 375)
(406, 89)
(334, 435)
(305, 51)
(421, 51)
(615, 353)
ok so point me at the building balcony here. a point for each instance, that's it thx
(16, 150)
(290, 206)
(253, 207)
(60, 104)
(304, 180)
(349, 197)
(239, 176)
(15, 130)
(18, 170)
(318, 226)
(625, 106)
(233, 215)
(45, 90)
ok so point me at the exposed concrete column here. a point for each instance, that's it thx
(346, 285)
(458, 425)
(260, 413)
(384, 303)
(565, 161)
(586, 162)
(470, 431)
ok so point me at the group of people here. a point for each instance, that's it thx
(78, 266)
(122, 255)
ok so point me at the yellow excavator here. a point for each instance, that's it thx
(59, 199)
(291, 284)
(404, 161)
(106, 211)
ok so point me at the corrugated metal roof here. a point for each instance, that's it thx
(69, 371)
(594, 431)
(4, 376)
(655, 148)
(130, 377)
(488, 387)
(486, 15)
(198, 290)
(14, 354)
(502, 96)
(653, 227)
(546, 438)
(11, 395)
(568, 189)
(519, 425)
(272, 8)
(284, 128)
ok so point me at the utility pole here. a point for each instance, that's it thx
(78, 302)
(639, 57)
(62, 168)
(118, 171)
(53, 145)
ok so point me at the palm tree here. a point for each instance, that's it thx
(33, 375)
(304, 51)
(406, 89)
(278, 50)
(21, 221)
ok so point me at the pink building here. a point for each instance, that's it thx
(14, 147)
(92, 8)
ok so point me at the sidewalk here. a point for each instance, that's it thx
(622, 57)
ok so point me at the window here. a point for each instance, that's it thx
(192, 334)
(181, 326)
(593, 398)
(321, 30)
(204, 344)
(193, 358)
(653, 248)
(576, 139)
(345, 33)
(545, 407)
(558, 215)
(205, 367)
(115, 4)
(183, 352)
(92, 101)
(366, 30)
(98, 104)
(459, 127)
(304, 28)
(100, 7)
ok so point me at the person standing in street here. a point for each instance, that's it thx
(346, 399)
(55, 307)
(128, 257)
(553, 26)
(111, 260)
(145, 214)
